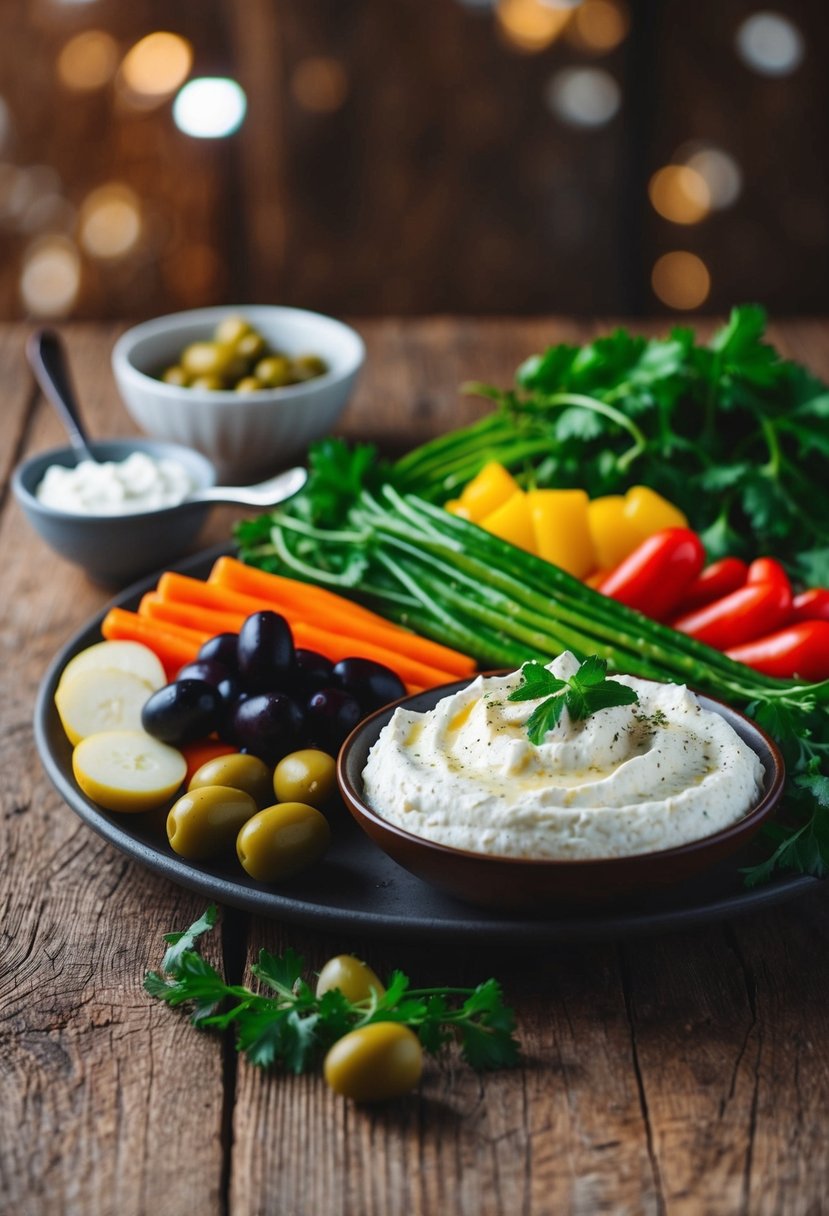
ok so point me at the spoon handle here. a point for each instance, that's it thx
(47, 359)
(265, 494)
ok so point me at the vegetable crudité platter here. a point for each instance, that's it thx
(658, 505)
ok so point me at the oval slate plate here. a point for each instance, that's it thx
(357, 887)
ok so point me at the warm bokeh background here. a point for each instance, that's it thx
(411, 156)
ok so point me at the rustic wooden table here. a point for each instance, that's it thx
(683, 1074)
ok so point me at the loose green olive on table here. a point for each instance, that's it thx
(374, 1063)
(355, 979)
(237, 358)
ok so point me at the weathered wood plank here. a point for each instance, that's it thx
(564, 1132)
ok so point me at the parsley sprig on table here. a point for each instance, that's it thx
(584, 693)
(287, 1024)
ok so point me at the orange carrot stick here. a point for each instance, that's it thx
(181, 589)
(230, 572)
(173, 645)
(189, 616)
(334, 646)
(198, 753)
(303, 601)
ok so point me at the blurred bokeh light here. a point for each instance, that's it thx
(319, 84)
(584, 97)
(110, 221)
(770, 43)
(210, 107)
(532, 25)
(680, 193)
(88, 61)
(155, 67)
(51, 276)
(598, 26)
(681, 280)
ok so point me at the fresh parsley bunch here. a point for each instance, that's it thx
(287, 1024)
(584, 693)
(730, 431)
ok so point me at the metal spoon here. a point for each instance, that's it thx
(263, 494)
(47, 359)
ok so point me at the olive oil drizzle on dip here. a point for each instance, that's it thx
(628, 779)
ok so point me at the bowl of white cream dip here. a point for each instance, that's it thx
(633, 798)
(121, 516)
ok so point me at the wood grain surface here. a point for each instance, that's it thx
(679, 1074)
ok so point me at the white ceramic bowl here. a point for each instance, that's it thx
(246, 435)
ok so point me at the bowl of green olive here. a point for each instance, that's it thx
(248, 386)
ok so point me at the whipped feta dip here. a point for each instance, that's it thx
(124, 487)
(627, 780)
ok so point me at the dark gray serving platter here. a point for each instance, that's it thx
(357, 887)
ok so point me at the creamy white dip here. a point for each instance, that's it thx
(125, 487)
(627, 780)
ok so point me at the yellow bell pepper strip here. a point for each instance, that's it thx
(512, 521)
(614, 535)
(648, 512)
(455, 507)
(490, 489)
(562, 530)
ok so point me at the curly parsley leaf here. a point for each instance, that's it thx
(586, 692)
(289, 1026)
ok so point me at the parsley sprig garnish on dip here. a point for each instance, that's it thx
(586, 692)
(287, 1024)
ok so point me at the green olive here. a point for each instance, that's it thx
(213, 359)
(354, 979)
(251, 346)
(213, 384)
(282, 840)
(306, 367)
(248, 384)
(240, 772)
(175, 375)
(308, 776)
(204, 359)
(204, 822)
(274, 371)
(231, 330)
(376, 1062)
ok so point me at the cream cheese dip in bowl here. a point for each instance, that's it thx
(118, 543)
(134, 517)
(495, 859)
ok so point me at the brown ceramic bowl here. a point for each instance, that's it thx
(525, 883)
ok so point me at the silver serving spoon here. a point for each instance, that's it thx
(264, 494)
(47, 358)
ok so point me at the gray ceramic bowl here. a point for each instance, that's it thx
(114, 550)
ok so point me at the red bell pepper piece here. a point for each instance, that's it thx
(768, 570)
(715, 581)
(800, 651)
(654, 577)
(811, 605)
(745, 614)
